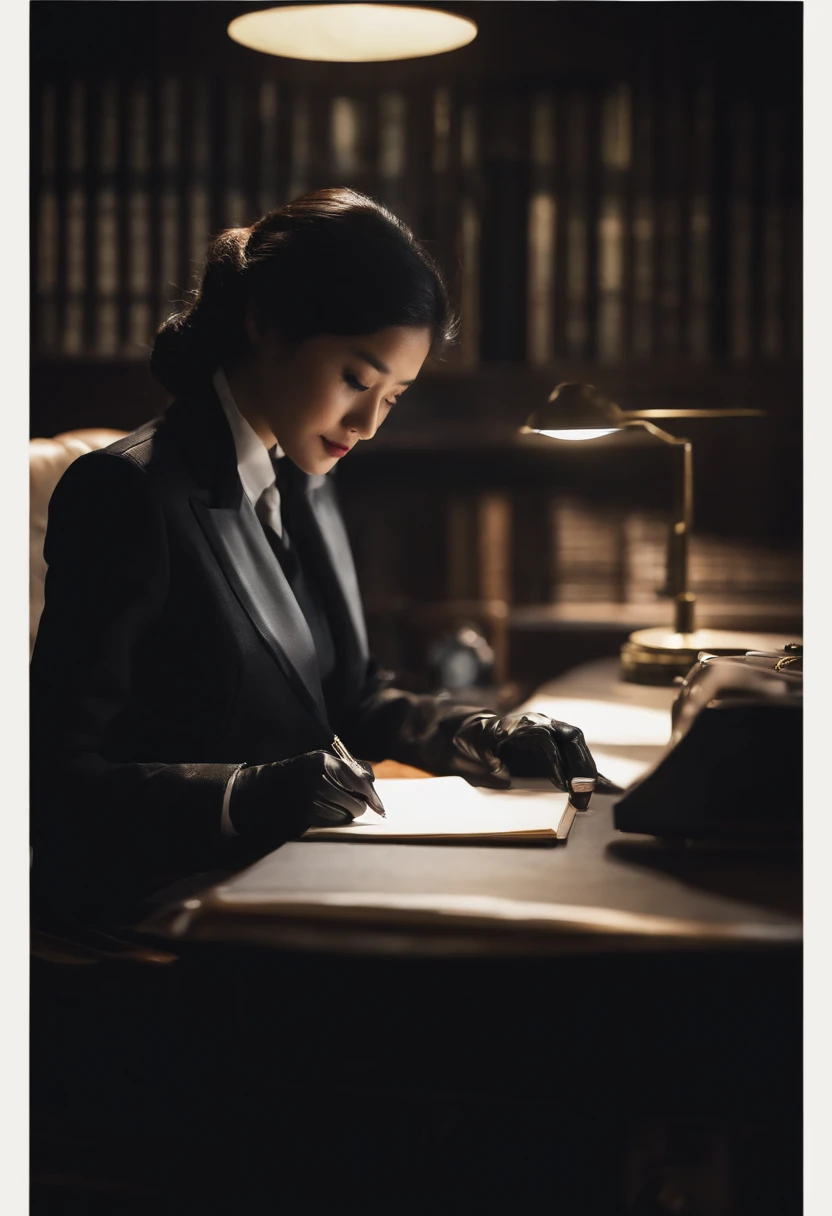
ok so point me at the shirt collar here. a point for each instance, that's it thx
(254, 461)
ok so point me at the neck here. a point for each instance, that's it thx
(244, 398)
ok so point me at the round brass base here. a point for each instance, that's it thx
(657, 656)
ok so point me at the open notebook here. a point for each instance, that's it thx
(448, 808)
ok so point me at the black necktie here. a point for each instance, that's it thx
(272, 515)
(287, 481)
(287, 487)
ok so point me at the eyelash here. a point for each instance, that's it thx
(356, 384)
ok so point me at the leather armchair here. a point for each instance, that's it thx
(48, 461)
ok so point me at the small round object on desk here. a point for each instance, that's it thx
(657, 656)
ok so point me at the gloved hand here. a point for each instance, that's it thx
(280, 800)
(527, 745)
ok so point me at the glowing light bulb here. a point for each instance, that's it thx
(577, 435)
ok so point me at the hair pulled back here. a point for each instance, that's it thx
(331, 262)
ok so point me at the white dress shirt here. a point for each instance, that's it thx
(254, 464)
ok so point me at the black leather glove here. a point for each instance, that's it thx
(527, 745)
(271, 802)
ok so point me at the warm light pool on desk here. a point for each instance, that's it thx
(606, 724)
(578, 412)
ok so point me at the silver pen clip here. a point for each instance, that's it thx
(343, 753)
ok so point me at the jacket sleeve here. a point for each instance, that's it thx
(106, 586)
(390, 723)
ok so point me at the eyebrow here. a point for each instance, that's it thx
(377, 364)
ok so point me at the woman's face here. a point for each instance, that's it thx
(319, 398)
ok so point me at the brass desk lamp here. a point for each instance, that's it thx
(652, 656)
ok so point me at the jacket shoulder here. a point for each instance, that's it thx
(138, 447)
(150, 450)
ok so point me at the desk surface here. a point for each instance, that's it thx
(604, 889)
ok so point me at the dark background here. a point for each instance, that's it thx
(614, 191)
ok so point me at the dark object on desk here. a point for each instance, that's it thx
(461, 660)
(733, 771)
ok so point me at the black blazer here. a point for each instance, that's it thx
(171, 649)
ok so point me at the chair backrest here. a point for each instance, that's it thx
(48, 461)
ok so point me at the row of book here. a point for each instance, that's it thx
(632, 223)
(572, 550)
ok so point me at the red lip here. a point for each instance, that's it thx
(334, 449)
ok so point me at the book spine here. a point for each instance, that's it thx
(700, 221)
(576, 265)
(45, 262)
(138, 275)
(199, 158)
(773, 237)
(542, 233)
(470, 232)
(616, 153)
(268, 114)
(671, 148)
(740, 220)
(170, 209)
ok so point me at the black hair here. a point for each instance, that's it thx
(331, 262)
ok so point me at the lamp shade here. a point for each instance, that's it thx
(351, 33)
(576, 411)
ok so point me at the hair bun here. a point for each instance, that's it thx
(187, 344)
(226, 255)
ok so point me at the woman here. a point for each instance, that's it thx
(202, 640)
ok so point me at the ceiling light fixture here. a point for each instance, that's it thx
(352, 33)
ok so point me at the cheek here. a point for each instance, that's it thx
(304, 401)
(323, 405)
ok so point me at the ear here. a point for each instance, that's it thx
(255, 332)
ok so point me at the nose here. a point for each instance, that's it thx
(365, 416)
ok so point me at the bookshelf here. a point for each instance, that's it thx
(633, 218)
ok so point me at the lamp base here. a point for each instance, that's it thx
(658, 656)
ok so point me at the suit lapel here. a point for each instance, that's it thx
(254, 574)
(321, 498)
(325, 541)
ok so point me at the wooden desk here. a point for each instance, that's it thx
(604, 890)
(638, 1039)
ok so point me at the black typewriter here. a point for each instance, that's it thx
(732, 771)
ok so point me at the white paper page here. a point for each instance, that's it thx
(607, 723)
(623, 770)
(449, 806)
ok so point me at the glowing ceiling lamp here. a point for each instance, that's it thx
(352, 33)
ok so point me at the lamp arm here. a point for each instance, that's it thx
(678, 542)
(694, 413)
(655, 430)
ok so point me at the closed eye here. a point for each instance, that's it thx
(358, 387)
